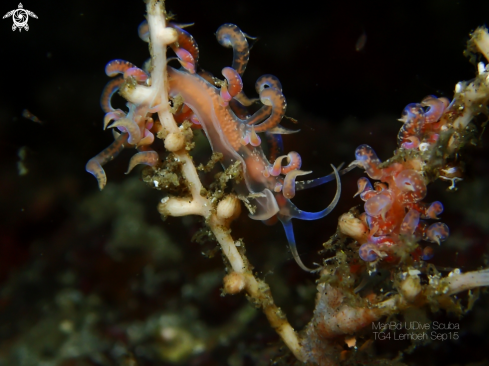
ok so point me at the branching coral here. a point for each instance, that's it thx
(256, 182)
(385, 237)
(388, 234)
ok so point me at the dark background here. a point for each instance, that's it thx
(341, 98)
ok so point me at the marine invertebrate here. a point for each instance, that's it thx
(389, 236)
(432, 133)
(197, 99)
(217, 107)
(165, 102)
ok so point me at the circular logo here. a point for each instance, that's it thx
(20, 17)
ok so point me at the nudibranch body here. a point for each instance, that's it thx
(219, 108)
(395, 217)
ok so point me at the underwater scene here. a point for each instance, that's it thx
(244, 183)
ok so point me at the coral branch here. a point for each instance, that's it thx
(390, 236)
(259, 292)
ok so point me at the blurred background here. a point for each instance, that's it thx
(97, 278)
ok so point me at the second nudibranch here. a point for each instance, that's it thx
(219, 108)
(396, 218)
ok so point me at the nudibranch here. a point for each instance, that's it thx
(219, 108)
(395, 217)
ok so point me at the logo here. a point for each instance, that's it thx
(20, 17)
